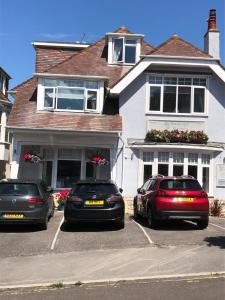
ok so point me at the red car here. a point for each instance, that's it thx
(169, 197)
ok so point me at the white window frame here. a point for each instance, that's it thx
(124, 39)
(185, 165)
(55, 98)
(162, 85)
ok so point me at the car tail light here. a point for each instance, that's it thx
(114, 199)
(74, 199)
(35, 200)
(203, 195)
(161, 193)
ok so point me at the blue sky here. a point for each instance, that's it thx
(24, 21)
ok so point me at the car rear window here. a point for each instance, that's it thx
(19, 189)
(95, 188)
(180, 184)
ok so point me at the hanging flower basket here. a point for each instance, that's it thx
(32, 158)
(98, 160)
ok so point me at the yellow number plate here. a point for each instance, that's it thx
(13, 216)
(183, 199)
(94, 202)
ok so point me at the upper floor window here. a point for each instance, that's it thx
(177, 95)
(124, 50)
(72, 95)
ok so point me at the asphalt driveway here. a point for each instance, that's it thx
(26, 240)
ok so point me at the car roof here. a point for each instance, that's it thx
(96, 181)
(34, 181)
(161, 177)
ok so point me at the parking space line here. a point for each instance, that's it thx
(217, 226)
(145, 233)
(56, 234)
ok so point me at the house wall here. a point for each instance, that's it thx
(132, 107)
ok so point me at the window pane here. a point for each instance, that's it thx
(89, 170)
(147, 172)
(178, 170)
(184, 81)
(193, 158)
(178, 157)
(155, 79)
(148, 156)
(199, 81)
(205, 159)
(163, 169)
(70, 99)
(169, 99)
(163, 156)
(193, 171)
(130, 55)
(184, 99)
(68, 173)
(131, 42)
(170, 80)
(199, 100)
(91, 84)
(91, 99)
(49, 94)
(118, 50)
(155, 98)
(69, 154)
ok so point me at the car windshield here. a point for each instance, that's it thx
(180, 184)
(19, 189)
(95, 189)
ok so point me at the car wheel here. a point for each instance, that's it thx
(52, 212)
(151, 219)
(44, 225)
(202, 224)
(136, 215)
(120, 224)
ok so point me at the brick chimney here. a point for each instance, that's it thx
(212, 36)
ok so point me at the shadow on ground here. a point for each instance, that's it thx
(218, 241)
(17, 228)
(89, 227)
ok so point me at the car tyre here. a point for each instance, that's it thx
(120, 224)
(136, 214)
(52, 212)
(44, 225)
(203, 224)
(151, 218)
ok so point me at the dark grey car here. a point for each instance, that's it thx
(25, 201)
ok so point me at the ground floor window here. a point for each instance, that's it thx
(62, 167)
(174, 163)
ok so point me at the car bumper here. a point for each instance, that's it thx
(33, 217)
(183, 215)
(94, 215)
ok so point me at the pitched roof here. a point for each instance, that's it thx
(25, 116)
(176, 46)
(92, 61)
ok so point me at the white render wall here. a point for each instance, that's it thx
(135, 123)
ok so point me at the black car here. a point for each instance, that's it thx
(25, 201)
(98, 200)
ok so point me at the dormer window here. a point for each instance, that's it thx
(124, 50)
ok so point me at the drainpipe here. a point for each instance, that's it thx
(122, 171)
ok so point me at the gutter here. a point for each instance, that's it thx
(122, 171)
(70, 76)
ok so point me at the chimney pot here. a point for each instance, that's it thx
(212, 20)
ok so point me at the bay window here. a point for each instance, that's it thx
(177, 95)
(72, 95)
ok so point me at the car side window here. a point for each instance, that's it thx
(146, 185)
(152, 185)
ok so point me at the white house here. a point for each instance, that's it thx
(105, 97)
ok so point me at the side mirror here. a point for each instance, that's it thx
(139, 190)
(49, 189)
(120, 190)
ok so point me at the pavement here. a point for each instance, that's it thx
(96, 253)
